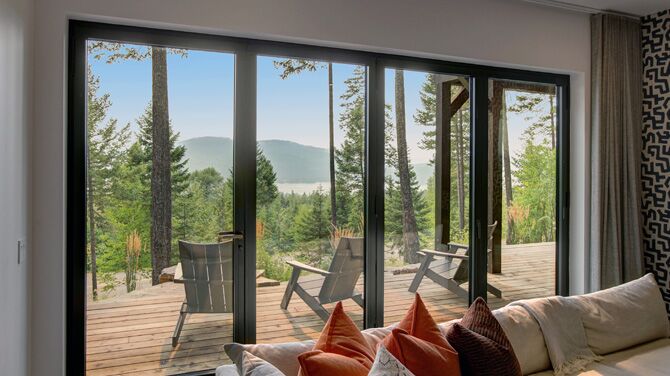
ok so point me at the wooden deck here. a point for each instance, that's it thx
(131, 335)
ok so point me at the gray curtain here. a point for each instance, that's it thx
(616, 138)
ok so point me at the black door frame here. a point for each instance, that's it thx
(246, 50)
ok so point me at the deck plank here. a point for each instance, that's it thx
(131, 334)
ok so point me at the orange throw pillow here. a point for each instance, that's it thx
(422, 357)
(340, 350)
(419, 323)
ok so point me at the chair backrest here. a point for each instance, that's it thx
(346, 267)
(208, 276)
(462, 273)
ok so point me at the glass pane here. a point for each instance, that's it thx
(522, 190)
(310, 202)
(159, 158)
(426, 193)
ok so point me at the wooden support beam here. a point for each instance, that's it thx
(495, 175)
(443, 163)
(459, 101)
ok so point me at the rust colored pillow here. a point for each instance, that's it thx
(340, 350)
(422, 357)
(317, 362)
(482, 345)
(419, 323)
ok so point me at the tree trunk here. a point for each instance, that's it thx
(331, 133)
(511, 235)
(410, 233)
(161, 188)
(460, 170)
(553, 123)
(91, 229)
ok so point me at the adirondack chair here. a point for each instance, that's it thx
(453, 270)
(208, 280)
(334, 285)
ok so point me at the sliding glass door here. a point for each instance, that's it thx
(522, 190)
(426, 200)
(225, 189)
(159, 195)
(310, 195)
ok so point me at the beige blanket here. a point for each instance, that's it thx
(563, 331)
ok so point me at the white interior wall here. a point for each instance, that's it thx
(502, 33)
(16, 25)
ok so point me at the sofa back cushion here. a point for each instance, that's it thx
(624, 316)
(526, 338)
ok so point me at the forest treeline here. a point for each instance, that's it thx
(127, 197)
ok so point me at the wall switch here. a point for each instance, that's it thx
(20, 250)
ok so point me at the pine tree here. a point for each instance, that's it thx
(105, 148)
(410, 229)
(350, 156)
(266, 181)
(312, 226)
(426, 114)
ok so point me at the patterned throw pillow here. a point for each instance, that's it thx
(483, 347)
(387, 365)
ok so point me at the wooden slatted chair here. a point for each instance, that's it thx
(208, 280)
(449, 267)
(336, 284)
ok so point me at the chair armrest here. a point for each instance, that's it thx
(443, 254)
(307, 268)
(458, 246)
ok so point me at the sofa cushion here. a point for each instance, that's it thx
(649, 359)
(255, 366)
(526, 338)
(226, 370)
(284, 356)
(624, 316)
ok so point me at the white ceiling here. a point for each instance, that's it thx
(636, 7)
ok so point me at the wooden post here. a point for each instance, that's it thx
(442, 163)
(495, 176)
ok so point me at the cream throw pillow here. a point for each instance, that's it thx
(624, 316)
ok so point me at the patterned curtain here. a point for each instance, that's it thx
(616, 138)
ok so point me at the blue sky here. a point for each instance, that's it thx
(201, 99)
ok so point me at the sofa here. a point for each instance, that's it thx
(627, 326)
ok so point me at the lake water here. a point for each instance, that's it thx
(301, 188)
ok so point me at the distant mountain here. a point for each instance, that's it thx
(293, 162)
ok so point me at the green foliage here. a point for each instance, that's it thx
(535, 192)
(394, 212)
(266, 180)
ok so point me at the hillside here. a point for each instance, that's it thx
(293, 162)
